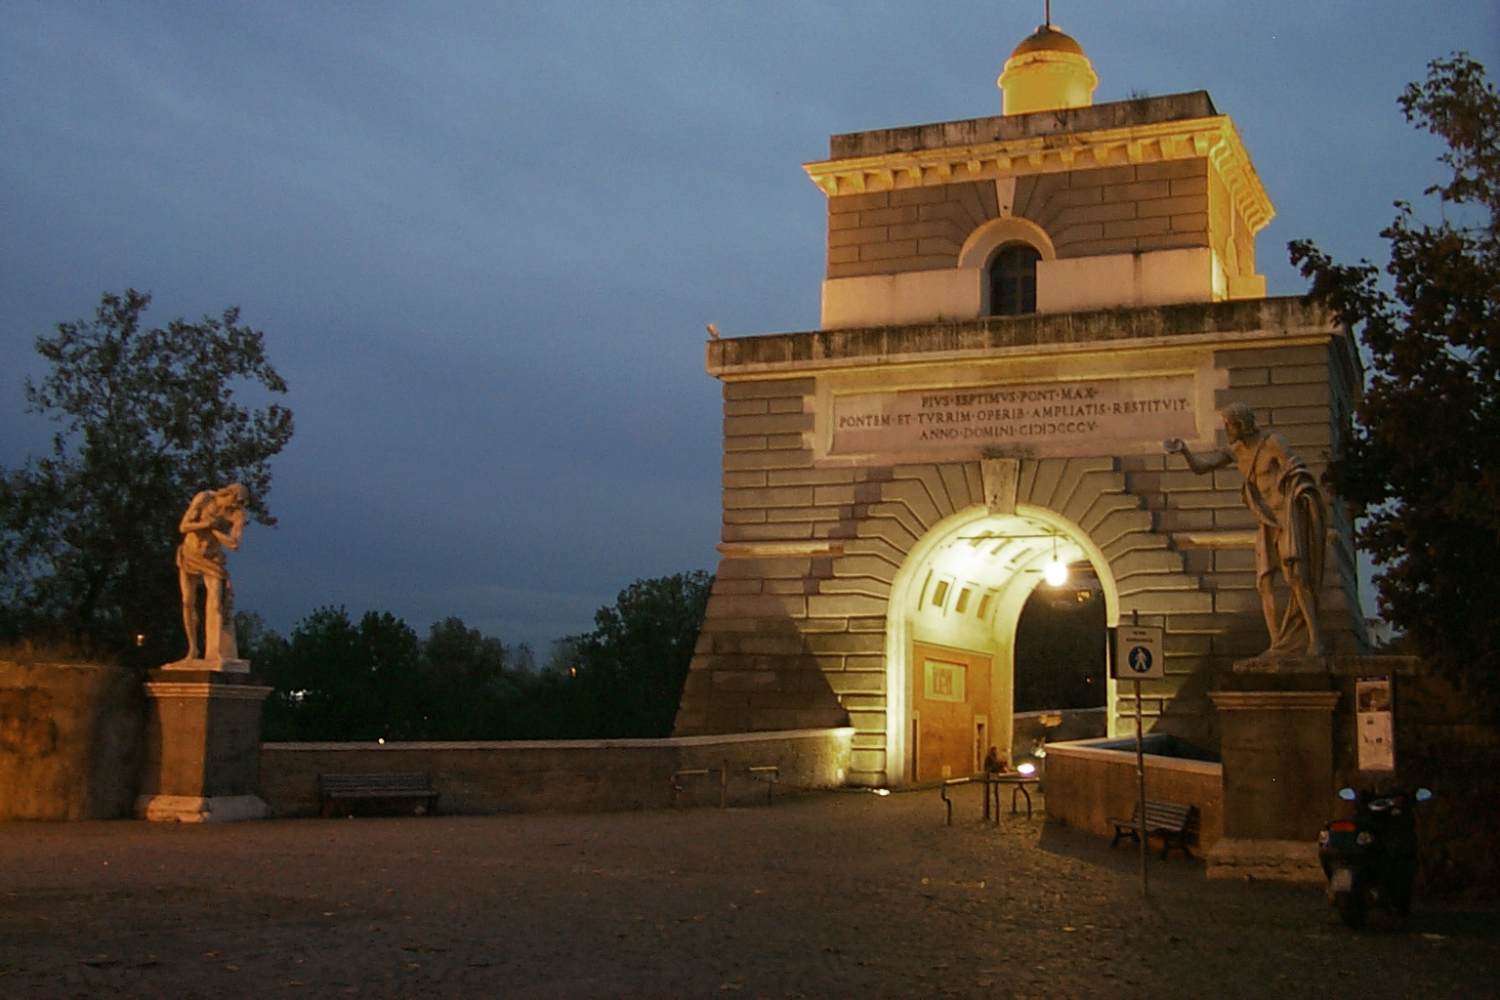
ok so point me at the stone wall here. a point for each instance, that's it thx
(1124, 209)
(1107, 210)
(1086, 786)
(805, 636)
(795, 630)
(71, 740)
(562, 775)
(1301, 393)
(920, 229)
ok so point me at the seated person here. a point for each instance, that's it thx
(996, 762)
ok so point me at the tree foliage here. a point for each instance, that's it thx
(336, 679)
(145, 418)
(632, 666)
(471, 683)
(1421, 459)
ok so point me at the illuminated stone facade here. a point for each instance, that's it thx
(894, 482)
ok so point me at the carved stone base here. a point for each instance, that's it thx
(1270, 860)
(202, 745)
(227, 666)
(1276, 665)
(1277, 753)
(197, 809)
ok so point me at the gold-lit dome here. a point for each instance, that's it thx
(1048, 71)
(1047, 38)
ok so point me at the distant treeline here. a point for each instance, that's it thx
(337, 678)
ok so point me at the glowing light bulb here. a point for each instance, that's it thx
(1055, 572)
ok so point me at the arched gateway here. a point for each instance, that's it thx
(895, 482)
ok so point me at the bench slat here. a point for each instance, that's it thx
(342, 781)
(376, 785)
(1168, 820)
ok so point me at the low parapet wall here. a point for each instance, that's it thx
(70, 740)
(1087, 784)
(1034, 730)
(564, 775)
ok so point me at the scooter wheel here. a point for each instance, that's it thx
(1351, 911)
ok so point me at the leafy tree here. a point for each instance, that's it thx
(632, 666)
(1421, 459)
(335, 680)
(338, 680)
(145, 418)
(467, 684)
(520, 658)
(252, 635)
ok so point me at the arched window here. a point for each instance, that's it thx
(1013, 280)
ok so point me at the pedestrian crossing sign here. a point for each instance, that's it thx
(1138, 653)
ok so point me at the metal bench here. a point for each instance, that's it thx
(768, 773)
(380, 786)
(1172, 821)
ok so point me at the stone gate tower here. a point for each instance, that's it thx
(1017, 310)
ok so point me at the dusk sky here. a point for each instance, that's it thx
(483, 239)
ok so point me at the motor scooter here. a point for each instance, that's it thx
(1371, 859)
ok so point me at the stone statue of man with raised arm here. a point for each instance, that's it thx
(214, 522)
(1291, 519)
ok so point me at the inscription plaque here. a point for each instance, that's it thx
(1088, 417)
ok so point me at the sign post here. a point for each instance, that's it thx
(1137, 656)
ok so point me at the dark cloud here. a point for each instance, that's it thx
(483, 240)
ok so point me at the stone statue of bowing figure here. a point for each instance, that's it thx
(1291, 519)
(214, 522)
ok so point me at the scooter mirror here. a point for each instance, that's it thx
(1423, 794)
(1347, 794)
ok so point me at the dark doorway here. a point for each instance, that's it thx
(1059, 651)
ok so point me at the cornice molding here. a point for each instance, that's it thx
(1214, 138)
(773, 549)
(206, 690)
(1290, 701)
(1281, 322)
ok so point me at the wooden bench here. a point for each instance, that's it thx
(380, 786)
(1172, 821)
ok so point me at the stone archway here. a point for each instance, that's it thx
(834, 483)
(950, 632)
(802, 633)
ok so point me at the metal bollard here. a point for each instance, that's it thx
(943, 794)
(775, 776)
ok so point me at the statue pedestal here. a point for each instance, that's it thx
(201, 665)
(1276, 743)
(202, 745)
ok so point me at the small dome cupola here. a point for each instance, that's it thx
(1046, 72)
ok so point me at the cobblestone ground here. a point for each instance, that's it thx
(835, 895)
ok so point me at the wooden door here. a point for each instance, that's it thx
(950, 699)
